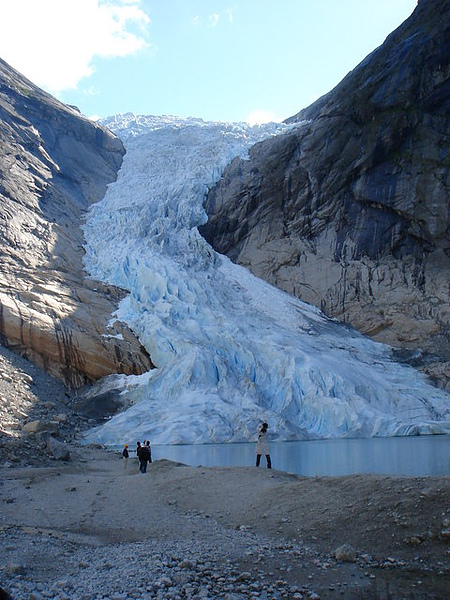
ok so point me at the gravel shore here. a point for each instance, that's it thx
(74, 524)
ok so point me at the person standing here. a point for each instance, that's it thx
(149, 451)
(125, 455)
(262, 446)
(145, 456)
(138, 454)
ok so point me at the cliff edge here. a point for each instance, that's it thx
(55, 163)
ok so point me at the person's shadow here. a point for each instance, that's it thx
(4, 595)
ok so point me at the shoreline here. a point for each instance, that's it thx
(399, 457)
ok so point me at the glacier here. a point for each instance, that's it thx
(230, 350)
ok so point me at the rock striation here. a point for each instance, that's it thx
(349, 209)
(54, 163)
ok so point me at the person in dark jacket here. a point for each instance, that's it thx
(138, 452)
(149, 451)
(145, 456)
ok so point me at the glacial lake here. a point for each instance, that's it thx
(409, 456)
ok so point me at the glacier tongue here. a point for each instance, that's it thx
(230, 350)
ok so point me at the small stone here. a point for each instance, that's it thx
(186, 564)
(345, 553)
(14, 569)
(414, 540)
(390, 559)
(32, 426)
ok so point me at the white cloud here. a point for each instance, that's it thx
(258, 117)
(213, 19)
(54, 42)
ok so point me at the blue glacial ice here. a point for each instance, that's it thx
(230, 350)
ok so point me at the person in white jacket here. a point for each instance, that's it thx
(262, 446)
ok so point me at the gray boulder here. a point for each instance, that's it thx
(58, 450)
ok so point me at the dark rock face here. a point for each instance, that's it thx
(349, 210)
(53, 164)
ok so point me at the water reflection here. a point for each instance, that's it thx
(410, 456)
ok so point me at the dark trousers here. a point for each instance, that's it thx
(258, 460)
(143, 466)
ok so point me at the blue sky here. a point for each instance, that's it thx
(228, 60)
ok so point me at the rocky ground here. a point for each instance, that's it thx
(74, 524)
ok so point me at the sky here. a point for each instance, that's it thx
(219, 60)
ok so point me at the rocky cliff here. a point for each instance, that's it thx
(349, 210)
(53, 164)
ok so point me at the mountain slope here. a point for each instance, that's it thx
(349, 210)
(53, 165)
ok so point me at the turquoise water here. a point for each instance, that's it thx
(410, 456)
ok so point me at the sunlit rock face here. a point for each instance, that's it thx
(53, 164)
(349, 210)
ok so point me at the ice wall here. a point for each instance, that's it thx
(230, 350)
